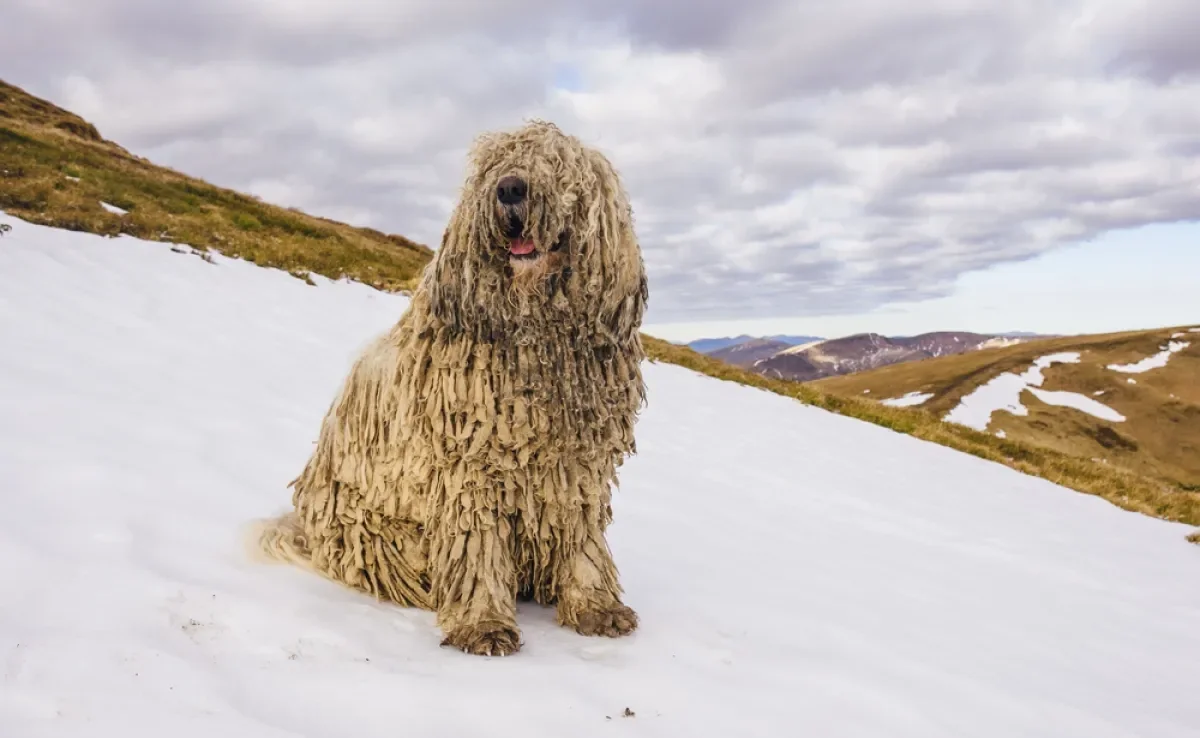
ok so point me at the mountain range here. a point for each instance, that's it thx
(806, 358)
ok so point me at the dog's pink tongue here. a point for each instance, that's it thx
(521, 246)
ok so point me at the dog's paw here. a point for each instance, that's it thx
(484, 639)
(611, 622)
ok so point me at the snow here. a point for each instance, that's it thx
(1194, 330)
(998, 342)
(113, 209)
(801, 347)
(1097, 393)
(1001, 434)
(1078, 402)
(1131, 380)
(1003, 392)
(151, 404)
(1156, 361)
(908, 400)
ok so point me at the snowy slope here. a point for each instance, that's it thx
(152, 403)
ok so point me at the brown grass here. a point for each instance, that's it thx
(952, 377)
(55, 169)
(1148, 494)
(1160, 436)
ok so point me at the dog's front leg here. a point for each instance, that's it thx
(475, 582)
(589, 598)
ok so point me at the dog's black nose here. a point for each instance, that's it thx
(511, 190)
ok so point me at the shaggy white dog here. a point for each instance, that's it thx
(470, 456)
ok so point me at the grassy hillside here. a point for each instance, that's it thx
(1161, 433)
(56, 169)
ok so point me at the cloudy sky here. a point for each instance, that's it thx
(794, 164)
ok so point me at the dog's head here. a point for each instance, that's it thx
(542, 233)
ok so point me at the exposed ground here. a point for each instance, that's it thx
(56, 169)
(1160, 435)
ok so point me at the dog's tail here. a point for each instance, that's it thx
(279, 539)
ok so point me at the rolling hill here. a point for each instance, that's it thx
(57, 170)
(1128, 399)
(154, 404)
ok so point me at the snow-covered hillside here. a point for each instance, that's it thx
(152, 404)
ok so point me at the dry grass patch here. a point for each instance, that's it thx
(56, 169)
(1160, 436)
(950, 378)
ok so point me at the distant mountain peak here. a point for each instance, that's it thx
(709, 345)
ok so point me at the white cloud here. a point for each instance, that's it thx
(785, 158)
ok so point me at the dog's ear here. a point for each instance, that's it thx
(614, 271)
(623, 306)
(446, 281)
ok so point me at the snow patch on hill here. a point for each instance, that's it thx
(999, 342)
(802, 347)
(1079, 402)
(1157, 361)
(1003, 393)
(909, 400)
(151, 403)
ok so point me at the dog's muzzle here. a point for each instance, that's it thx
(512, 197)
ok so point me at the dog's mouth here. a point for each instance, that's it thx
(521, 248)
